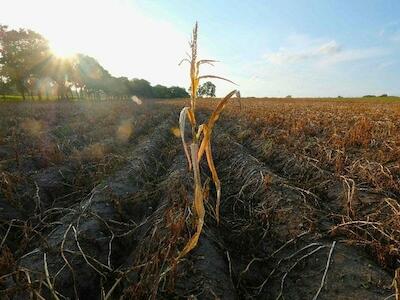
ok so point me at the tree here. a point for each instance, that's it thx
(89, 75)
(207, 89)
(27, 64)
(141, 87)
(60, 71)
(178, 92)
(117, 88)
(21, 51)
(160, 91)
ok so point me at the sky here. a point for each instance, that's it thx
(303, 48)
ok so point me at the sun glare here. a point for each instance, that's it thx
(110, 42)
(62, 50)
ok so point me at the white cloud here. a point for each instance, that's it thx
(292, 56)
(349, 55)
(329, 48)
(305, 66)
(321, 52)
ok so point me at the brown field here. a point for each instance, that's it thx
(95, 201)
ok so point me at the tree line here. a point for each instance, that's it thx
(28, 67)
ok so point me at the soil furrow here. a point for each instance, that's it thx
(265, 222)
(84, 245)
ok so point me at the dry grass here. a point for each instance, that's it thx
(296, 176)
(346, 152)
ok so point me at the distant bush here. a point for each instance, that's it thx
(289, 96)
(339, 96)
(369, 96)
(383, 95)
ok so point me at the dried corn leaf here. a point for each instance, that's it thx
(215, 178)
(204, 142)
(215, 115)
(200, 131)
(192, 117)
(198, 202)
(205, 61)
(196, 150)
(182, 123)
(184, 60)
(211, 122)
(215, 77)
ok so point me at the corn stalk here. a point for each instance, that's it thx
(200, 140)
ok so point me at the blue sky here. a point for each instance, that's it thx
(270, 48)
(305, 48)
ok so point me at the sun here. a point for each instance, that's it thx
(62, 49)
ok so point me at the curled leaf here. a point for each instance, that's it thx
(200, 131)
(182, 122)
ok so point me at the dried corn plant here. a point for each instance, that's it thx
(200, 143)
